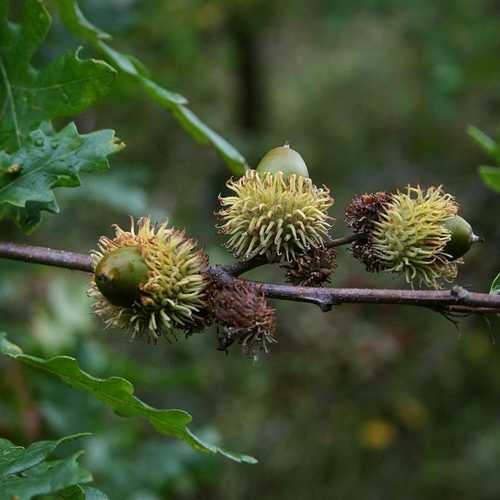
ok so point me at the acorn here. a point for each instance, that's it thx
(278, 213)
(120, 274)
(462, 237)
(283, 159)
(416, 233)
(150, 281)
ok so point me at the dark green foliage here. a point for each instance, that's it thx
(118, 393)
(46, 161)
(26, 473)
(30, 96)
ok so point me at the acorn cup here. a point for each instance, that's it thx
(275, 210)
(416, 233)
(243, 315)
(313, 268)
(150, 281)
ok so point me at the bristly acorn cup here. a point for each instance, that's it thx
(416, 233)
(150, 281)
(276, 210)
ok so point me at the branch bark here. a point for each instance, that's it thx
(46, 256)
(455, 301)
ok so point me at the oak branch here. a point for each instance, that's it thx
(450, 302)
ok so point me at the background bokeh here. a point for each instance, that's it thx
(364, 402)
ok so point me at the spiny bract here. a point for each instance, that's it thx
(274, 215)
(173, 295)
(243, 314)
(314, 268)
(410, 237)
(361, 215)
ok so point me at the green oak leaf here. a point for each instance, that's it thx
(26, 472)
(485, 142)
(66, 86)
(47, 161)
(118, 394)
(79, 492)
(16, 459)
(52, 478)
(92, 493)
(76, 22)
(491, 177)
(495, 286)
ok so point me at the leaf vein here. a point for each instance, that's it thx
(10, 98)
(58, 85)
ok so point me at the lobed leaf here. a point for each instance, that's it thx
(16, 459)
(93, 494)
(26, 472)
(81, 492)
(47, 161)
(118, 394)
(28, 96)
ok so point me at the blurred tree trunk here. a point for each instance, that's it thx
(251, 105)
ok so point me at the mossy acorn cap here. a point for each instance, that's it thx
(406, 232)
(173, 295)
(274, 215)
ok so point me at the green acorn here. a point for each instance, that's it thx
(462, 237)
(274, 214)
(283, 159)
(120, 274)
(150, 281)
(416, 233)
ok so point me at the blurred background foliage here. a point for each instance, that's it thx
(365, 402)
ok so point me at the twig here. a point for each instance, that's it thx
(47, 256)
(456, 300)
(462, 301)
(239, 268)
(345, 240)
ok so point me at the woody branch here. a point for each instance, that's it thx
(457, 300)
